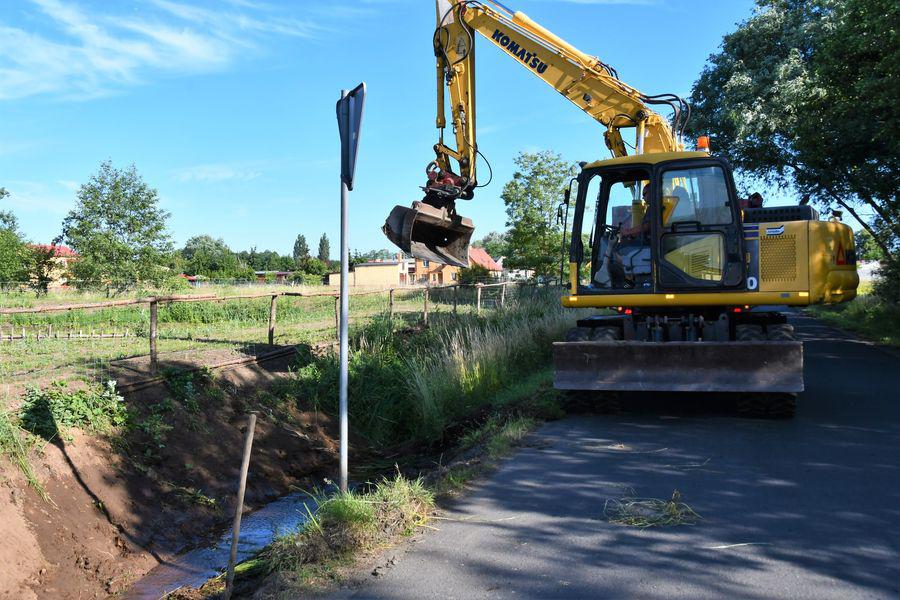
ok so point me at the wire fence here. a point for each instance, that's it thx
(135, 340)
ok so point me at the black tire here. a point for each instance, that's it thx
(749, 333)
(781, 333)
(768, 406)
(578, 334)
(606, 334)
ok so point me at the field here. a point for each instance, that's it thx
(93, 344)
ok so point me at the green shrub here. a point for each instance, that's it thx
(47, 411)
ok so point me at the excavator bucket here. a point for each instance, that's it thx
(430, 233)
(765, 367)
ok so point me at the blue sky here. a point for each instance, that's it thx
(227, 107)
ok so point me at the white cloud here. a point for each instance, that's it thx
(76, 54)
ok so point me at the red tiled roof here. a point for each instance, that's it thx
(58, 251)
(481, 258)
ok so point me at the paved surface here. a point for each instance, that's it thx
(808, 508)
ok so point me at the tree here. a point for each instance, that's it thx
(41, 264)
(324, 249)
(118, 229)
(8, 220)
(531, 198)
(13, 252)
(210, 257)
(494, 243)
(803, 95)
(866, 248)
(301, 249)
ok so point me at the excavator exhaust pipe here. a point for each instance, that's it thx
(430, 233)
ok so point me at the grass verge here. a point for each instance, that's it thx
(866, 315)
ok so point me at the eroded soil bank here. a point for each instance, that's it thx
(122, 504)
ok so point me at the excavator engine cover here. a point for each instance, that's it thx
(679, 366)
(430, 233)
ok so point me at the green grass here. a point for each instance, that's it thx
(866, 315)
(411, 386)
(15, 446)
(239, 325)
(346, 523)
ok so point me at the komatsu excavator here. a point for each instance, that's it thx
(691, 276)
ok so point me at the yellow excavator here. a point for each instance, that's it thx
(692, 276)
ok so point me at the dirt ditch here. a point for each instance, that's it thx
(119, 506)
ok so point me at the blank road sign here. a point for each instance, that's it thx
(350, 114)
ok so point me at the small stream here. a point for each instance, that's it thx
(195, 567)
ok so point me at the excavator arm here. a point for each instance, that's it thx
(432, 229)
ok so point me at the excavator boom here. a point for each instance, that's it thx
(431, 229)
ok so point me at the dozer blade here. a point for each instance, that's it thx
(430, 233)
(679, 366)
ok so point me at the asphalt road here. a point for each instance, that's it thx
(808, 508)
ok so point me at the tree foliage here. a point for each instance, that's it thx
(804, 95)
(494, 243)
(324, 249)
(301, 249)
(12, 248)
(118, 229)
(211, 257)
(532, 198)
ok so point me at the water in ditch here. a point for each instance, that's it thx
(195, 567)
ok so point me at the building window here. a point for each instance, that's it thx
(454, 276)
(425, 263)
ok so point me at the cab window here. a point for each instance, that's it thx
(697, 195)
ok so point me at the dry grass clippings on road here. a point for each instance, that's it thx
(649, 512)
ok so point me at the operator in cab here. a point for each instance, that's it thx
(644, 227)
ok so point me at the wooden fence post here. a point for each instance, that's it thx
(502, 295)
(337, 318)
(478, 287)
(455, 298)
(239, 505)
(391, 303)
(272, 308)
(425, 310)
(154, 358)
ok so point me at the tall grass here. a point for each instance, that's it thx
(409, 386)
(867, 315)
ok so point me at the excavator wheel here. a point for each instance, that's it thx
(781, 333)
(749, 333)
(768, 406)
(605, 334)
(578, 334)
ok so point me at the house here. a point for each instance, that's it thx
(480, 257)
(515, 274)
(401, 271)
(63, 258)
(376, 273)
(277, 277)
(426, 272)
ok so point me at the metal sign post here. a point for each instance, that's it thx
(349, 115)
